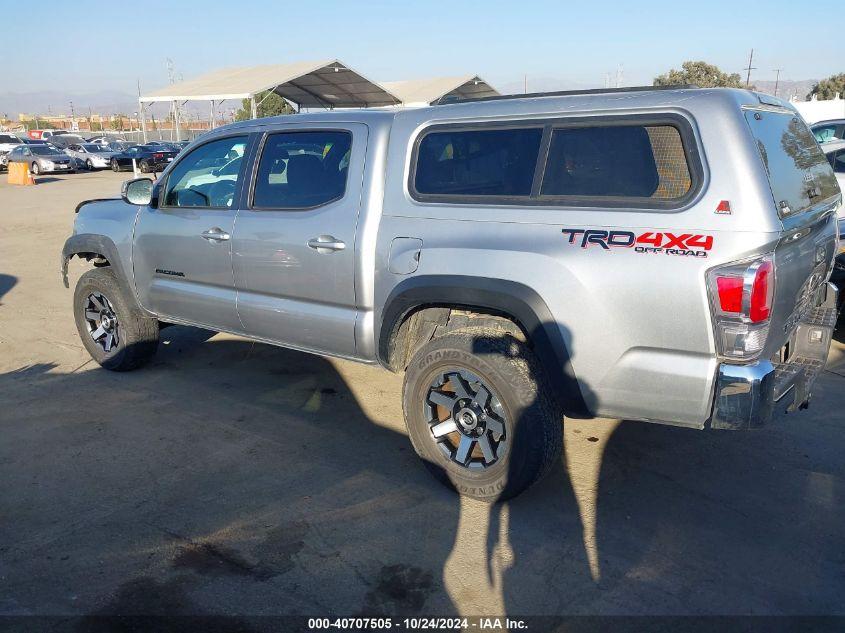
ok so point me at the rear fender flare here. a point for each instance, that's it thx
(513, 299)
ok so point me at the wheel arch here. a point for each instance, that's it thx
(499, 298)
(103, 252)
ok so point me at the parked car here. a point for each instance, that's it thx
(42, 158)
(119, 146)
(835, 153)
(8, 142)
(107, 140)
(662, 257)
(63, 141)
(45, 135)
(832, 130)
(148, 158)
(90, 155)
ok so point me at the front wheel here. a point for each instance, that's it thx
(115, 166)
(116, 334)
(35, 169)
(144, 167)
(89, 165)
(480, 415)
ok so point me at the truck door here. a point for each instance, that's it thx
(182, 251)
(294, 243)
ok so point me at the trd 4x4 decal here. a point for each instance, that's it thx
(686, 244)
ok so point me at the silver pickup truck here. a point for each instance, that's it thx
(649, 254)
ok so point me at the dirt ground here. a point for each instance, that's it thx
(236, 478)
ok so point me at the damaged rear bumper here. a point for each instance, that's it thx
(749, 396)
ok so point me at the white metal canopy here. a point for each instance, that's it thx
(435, 89)
(329, 84)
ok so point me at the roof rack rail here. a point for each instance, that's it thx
(569, 93)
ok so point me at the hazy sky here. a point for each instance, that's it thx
(109, 45)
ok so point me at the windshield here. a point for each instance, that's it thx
(44, 150)
(8, 138)
(799, 174)
(91, 147)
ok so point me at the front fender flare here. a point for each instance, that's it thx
(510, 298)
(91, 243)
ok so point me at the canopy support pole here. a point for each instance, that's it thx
(253, 106)
(176, 120)
(143, 120)
(211, 126)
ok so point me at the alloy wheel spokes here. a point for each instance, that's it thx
(101, 321)
(466, 419)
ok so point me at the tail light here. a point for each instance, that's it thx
(158, 155)
(741, 295)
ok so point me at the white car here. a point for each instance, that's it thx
(105, 140)
(8, 142)
(835, 152)
(90, 155)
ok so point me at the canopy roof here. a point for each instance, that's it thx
(308, 84)
(434, 89)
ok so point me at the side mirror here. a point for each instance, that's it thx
(138, 191)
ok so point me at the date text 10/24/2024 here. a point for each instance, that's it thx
(418, 624)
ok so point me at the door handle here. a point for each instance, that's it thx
(326, 244)
(216, 234)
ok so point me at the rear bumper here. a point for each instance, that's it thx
(749, 396)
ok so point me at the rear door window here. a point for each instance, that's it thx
(473, 163)
(799, 173)
(302, 170)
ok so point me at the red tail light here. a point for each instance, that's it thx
(730, 293)
(742, 294)
(158, 155)
(762, 293)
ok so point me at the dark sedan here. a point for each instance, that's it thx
(147, 157)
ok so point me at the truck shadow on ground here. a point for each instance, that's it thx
(235, 478)
(7, 282)
(650, 519)
(226, 477)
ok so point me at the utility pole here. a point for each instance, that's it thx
(749, 68)
(72, 117)
(777, 79)
(525, 84)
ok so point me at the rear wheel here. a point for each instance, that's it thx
(89, 165)
(479, 414)
(144, 167)
(116, 334)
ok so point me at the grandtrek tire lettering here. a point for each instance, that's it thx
(684, 244)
